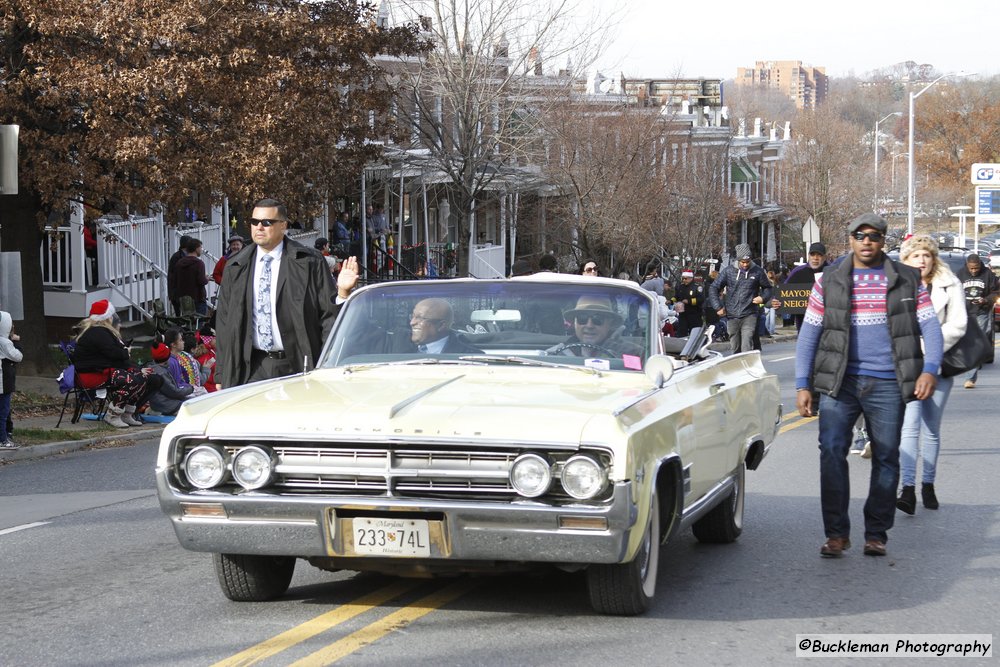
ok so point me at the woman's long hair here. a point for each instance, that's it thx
(87, 323)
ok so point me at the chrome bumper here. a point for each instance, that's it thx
(306, 526)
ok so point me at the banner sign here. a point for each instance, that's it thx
(794, 298)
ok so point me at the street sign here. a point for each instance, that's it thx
(810, 232)
(986, 173)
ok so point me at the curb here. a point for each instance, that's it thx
(25, 452)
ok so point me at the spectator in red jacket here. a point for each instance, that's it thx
(235, 245)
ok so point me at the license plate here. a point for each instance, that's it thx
(392, 537)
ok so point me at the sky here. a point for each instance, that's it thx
(667, 38)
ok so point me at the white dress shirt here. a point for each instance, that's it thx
(257, 269)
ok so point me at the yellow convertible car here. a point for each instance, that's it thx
(475, 425)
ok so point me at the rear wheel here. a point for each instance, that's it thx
(628, 589)
(253, 578)
(724, 522)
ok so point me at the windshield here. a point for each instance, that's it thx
(598, 324)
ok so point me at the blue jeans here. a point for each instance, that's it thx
(985, 321)
(922, 433)
(881, 402)
(4, 413)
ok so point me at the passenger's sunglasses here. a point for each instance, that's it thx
(596, 320)
(253, 222)
(874, 237)
(590, 269)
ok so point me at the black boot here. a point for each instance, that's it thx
(928, 496)
(907, 500)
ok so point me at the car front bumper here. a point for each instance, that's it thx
(316, 526)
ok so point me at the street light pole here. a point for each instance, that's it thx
(895, 156)
(875, 142)
(910, 161)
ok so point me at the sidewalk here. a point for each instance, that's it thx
(83, 434)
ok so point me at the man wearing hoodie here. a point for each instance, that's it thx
(10, 354)
(190, 276)
(746, 287)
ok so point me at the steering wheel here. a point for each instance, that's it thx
(571, 346)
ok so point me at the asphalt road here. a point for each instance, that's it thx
(93, 575)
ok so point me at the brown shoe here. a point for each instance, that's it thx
(834, 547)
(969, 384)
(874, 548)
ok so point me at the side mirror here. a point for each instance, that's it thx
(659, 369)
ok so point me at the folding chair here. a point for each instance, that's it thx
(95, 399)
(189, 312)
(161, 321)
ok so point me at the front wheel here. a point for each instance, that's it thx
(628, 589)
(253, 578)
(724, 523)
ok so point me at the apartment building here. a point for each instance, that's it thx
(805, 85)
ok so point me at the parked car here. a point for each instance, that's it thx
(953, 256)
(551, 444)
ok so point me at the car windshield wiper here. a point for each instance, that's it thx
(525, 361)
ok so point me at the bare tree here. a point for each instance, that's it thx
(472, 106)
(830, 171)
(635, 186)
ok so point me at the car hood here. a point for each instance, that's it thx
(436, 402)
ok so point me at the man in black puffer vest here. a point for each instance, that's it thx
(859, 347)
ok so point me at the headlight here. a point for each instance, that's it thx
(205, 466)
(583, 477)
(253, 467)
(531, 475)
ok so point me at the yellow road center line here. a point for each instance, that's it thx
(789, 427)
(317, 625)
(382, 627)
(789, 415)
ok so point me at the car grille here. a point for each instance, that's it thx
(394, 472)
(414, 471)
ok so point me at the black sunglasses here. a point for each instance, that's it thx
(596, 320)
(264, 223)
(874, 237)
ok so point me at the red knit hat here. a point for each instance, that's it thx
(160, 352)
(102, 310)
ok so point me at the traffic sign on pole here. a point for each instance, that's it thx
(810, 232)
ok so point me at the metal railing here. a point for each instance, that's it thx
(125, 266)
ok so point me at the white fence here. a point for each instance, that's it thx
(487, 262)
(131, 257)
